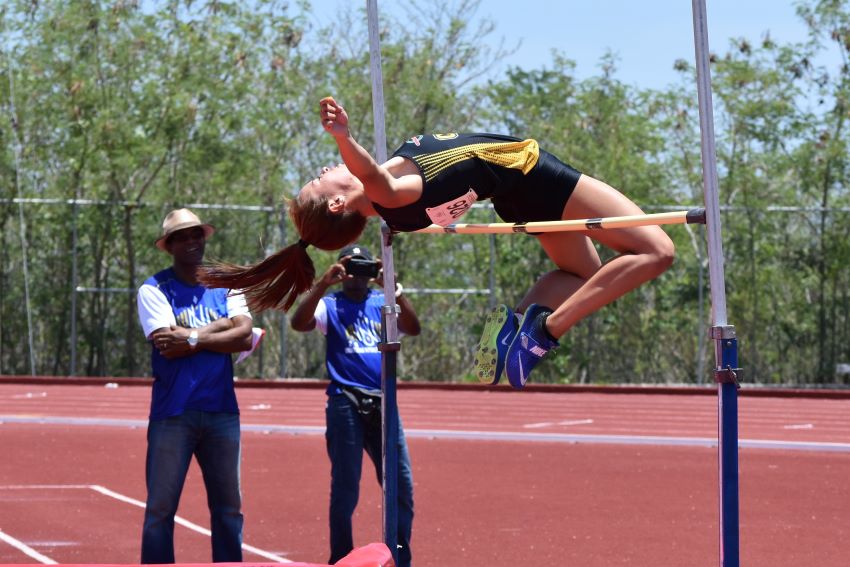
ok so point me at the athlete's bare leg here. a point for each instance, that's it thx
(582, 284)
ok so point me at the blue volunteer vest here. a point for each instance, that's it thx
(202, 381)
(353, 334)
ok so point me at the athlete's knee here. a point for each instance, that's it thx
(662, 254)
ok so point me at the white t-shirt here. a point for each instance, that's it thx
(155, 312)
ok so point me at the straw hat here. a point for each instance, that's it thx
(180, 219)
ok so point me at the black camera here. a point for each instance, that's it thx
(361, 267)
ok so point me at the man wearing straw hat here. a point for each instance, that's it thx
(192, 330)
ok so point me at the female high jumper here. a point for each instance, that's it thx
(434, 179)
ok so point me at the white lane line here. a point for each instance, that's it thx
(576, 422)
(43, 486)
(538, 425)
(186, 523)
(623, 439)
(29, 395)
(799, 426)
(17, 544)
(127, 500)
(551, 423)
(478, 435)
(93, 421)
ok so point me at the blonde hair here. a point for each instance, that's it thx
(277, 281)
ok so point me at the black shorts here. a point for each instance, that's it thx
(541, 195)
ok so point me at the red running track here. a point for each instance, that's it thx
(557, 477)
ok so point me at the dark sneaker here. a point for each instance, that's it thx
(529, 346)
(499, 331)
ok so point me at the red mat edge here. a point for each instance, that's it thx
(372, 555)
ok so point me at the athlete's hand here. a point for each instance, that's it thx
(334, 117)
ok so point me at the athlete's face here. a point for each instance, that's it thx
(331, 182)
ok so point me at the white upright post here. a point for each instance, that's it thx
(390, 344)
(726, 344)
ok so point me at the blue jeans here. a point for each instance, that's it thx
(346, 438)
(214, 440)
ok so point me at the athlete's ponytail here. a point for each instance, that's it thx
(278, 280)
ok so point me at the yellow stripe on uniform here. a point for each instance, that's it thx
(514, 155)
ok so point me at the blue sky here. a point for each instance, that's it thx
(646, 35)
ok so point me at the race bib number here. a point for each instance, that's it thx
(448, 213)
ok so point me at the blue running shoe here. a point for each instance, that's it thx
(499, 331)
(529, 346)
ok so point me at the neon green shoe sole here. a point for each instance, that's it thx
(499, 330)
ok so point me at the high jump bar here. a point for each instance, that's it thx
(692, 216)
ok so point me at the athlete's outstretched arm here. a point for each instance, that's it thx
(379, 184)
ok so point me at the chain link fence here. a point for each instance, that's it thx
(71, 270)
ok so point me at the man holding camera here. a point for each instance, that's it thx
(350, 319)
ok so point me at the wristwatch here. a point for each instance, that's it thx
(192, 339)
